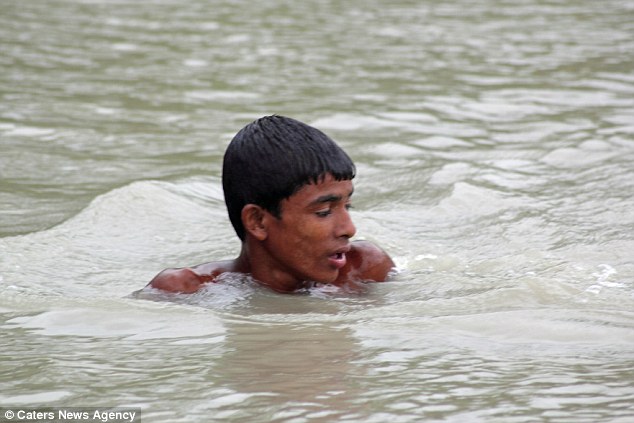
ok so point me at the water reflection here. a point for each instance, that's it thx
(311, 368)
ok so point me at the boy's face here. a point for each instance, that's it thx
(310, 240)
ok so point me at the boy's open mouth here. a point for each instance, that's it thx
(338, 259)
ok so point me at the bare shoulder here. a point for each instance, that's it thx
(368, 262)
(189, 279)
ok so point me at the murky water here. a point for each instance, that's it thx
(495, 145)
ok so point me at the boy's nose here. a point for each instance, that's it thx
(346, 227)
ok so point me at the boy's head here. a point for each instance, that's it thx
(272, 158)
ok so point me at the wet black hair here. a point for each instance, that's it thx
(271, 158)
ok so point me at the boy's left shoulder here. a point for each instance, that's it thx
(368, 262)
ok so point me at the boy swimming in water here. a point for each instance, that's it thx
(288, 190)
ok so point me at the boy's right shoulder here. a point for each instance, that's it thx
(177, 280)
(188, 279)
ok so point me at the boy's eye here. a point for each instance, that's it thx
(323, 213)
(328, 212)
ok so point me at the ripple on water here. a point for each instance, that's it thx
(587, 154)
(134, 322)
(115, 240)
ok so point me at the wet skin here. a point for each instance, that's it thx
(310, 242)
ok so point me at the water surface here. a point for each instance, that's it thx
(494, 143)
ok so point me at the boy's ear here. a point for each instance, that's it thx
(253, 219)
